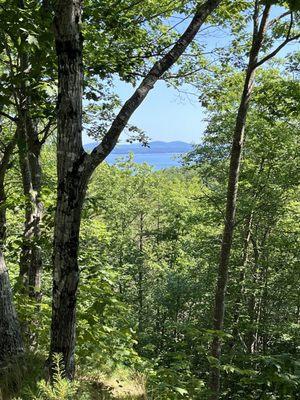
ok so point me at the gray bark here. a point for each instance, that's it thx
(29, 157)
(11, 343)
(31, 256)
(75, 166)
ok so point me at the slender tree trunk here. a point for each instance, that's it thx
(141, 277)
(241, 282)
(231, 202)
(257, 303)
(31, 255)
(11, 343)
(10, 335)
(234, 169)
(29, 158)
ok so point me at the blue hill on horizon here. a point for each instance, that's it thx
(155, 147)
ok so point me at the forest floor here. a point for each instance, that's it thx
(19, 381)
(118, 387)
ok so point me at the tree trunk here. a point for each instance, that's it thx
(66, 272)
(231, 200)
(11, 343)
(141, 278)
(234, 169)
(31, 255)
(256, 303)
(29, 158)
(71, 187)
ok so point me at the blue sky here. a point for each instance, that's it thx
(165, 114)
(168, 115)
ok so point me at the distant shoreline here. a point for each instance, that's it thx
(155, 147)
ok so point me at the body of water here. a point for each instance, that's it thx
(156, 160)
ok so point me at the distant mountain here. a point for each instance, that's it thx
(154, 147)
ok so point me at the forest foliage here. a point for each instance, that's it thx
(181, 283)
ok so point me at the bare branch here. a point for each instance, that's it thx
(274, 20)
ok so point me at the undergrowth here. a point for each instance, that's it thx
(23, 381)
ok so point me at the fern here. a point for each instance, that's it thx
(60, 389)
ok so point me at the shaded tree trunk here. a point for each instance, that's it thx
(141, 277)
(241, 282)
(256, 302)
(11, 343)
(66, 271)
(232, 191)
(31, 255)
(29, 147)
(10, 335)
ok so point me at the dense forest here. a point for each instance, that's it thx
(123, 282)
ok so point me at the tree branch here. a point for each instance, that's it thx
(274, 20)
(159, 68)
(4, 114)
(281, 46)
(46, 132)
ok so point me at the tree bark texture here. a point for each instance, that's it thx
(11, 343)
(29, 147)
(31, 255)
(71, 189)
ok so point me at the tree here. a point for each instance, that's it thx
(11, 344)
(27, 62)
(75, 166)
(259, 35)
(266, 186)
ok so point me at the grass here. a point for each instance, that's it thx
(23, 380)
(121, 385)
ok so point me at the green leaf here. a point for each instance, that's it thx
(31, 39)
(181, 391)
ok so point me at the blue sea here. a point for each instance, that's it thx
(156, 160)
